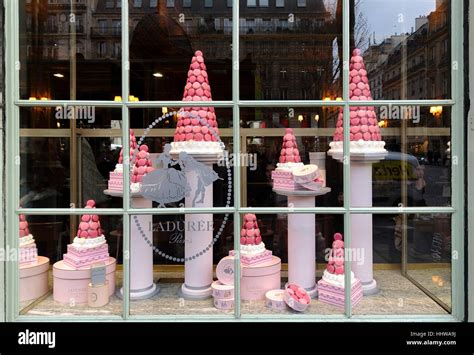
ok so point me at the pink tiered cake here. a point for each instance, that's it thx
(141, 166)
(196, 130)
(331, 286)
(89, 246)
(116, 176)
(28, 253)
(365, 133)
(252, 249)
(291, 173)
(289, 160)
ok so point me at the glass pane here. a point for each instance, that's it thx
(405, 46)
(73, 260)
(159, 67)
(292, 52)
(424, 241)
(70, 50)
(188, 158)
(278, 141)
(290, 250)
(161, 280)
(54, 171)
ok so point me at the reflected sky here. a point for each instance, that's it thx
(384, 16)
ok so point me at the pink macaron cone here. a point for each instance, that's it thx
(243, 240)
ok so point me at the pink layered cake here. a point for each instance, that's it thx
(89, 246)
(116, 176)
(141, 165)
(28, 252)
(196, 130)
(365, 132)
(291, 173)
(289, 160)
(331, 286)
(252, 249)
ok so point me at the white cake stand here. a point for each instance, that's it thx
(301, 239)
(141, 254)
(361, 224)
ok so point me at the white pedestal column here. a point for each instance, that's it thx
(198, 236)
(302, 245)
(141, 254)
(302, 239)
(361, 226)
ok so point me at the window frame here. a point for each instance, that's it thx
(14, 103)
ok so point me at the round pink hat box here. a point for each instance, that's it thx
(221, 291)
(225, 270)
(34, 279)
(70, 285)
(274, 299)
(221, 303)
(260, 278)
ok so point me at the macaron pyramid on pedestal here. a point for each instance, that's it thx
(366, 147)
(89, 246)
(196, 131)
(365, 139)
(331, 287)
(252, 249)
(301, 184)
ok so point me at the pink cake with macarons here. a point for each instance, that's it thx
(331, 286)
(89, 246)
(140, 165)
(296, 297)
(196, 130)
(365, 134)
(28, 252)
(252, 248)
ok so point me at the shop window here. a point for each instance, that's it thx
(263, 3)
(137, 3)
(187, 3)
(280, 3)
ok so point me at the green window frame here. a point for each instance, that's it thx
(13, 105)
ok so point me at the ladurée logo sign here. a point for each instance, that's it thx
(28, 337)
(177, 229)
(170, 185)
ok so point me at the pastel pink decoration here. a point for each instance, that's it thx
(296, 297)
(33, 278)
(257, 280)
(360, 91)
(196, 89)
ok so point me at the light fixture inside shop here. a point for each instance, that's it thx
(58, 75)
(133, 98)
(164, 110)
(300, 118)
(436, 111)
(44, 99)
(316, 117)
(158, 75)
(32, 98)
(117, 98)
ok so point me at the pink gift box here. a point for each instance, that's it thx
(34, 279)
(70, 285)
(260, 278)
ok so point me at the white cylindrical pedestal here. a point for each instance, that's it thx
(198, 236)
(141, 254)
(302, 245)
(361, 226)
(301, 239)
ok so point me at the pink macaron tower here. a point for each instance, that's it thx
(289, 160)
(89, 246)
(28, 252)
(116, 176)
(364, 124)
(197, 124)
(252, 249)
(142, 164)
(289, 150)
(331, 286)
